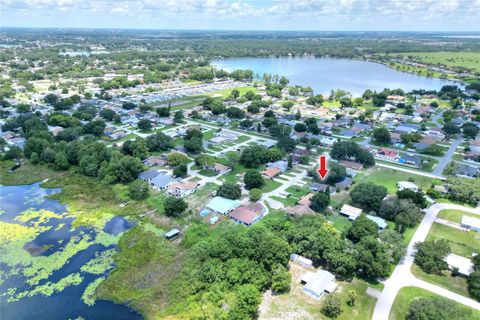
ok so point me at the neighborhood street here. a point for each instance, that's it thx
(402, 276)
(445, 160)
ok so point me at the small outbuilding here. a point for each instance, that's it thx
(351, 212)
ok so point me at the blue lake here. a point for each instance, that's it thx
(56, 236)
(325, 74)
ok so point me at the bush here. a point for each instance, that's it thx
(138, 190)
(331, 306)
(255, 194)
(175, 206)
(230, 191)
(253, 179)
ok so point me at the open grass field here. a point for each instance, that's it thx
(390, 177)
(461, 242)
(26, 174)
(297, 305)
(454, 284)
(469, 60)
(455, 215)
(407, 294)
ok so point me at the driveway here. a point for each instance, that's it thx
(402, 277)
(447, 158)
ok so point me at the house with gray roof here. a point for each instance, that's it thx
(466, 171)
(148, 175)
(162, 181)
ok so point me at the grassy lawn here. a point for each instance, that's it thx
(461, 242)
(287, 202)
(270, 185)
(455, 284)
(455, 215)
(390, 177)
(340, 223)
(26, 174)
(297, 192)
(470, 60)
(408, 294)
(199, 198)
(297, 305)
(208, 173)
(241, 139)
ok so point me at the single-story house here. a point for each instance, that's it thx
(347, 133)
(413, 160)
(248, 214)
(161, 181)
(155, 161)
(345, 183)
(118, 135)
(271, 172)
(351, 165)
(351, 212)
(222, 205)
(148, 175)
(387, 154)
(464, 265)
(327, 141)
(381, 223)
(220, 168)
(267, 144)
(322, 187)
(301, 260)
(470, 223)
(17, 142)
(407, 185)
(466, 171)
(405, 129)
(318, 283)
(182, 189)
(282, 165)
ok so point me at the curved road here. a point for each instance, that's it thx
(402, 277)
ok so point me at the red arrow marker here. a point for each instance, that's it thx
(322, 171)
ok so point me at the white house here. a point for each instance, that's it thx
(402, 185)
(470, 223)
(318, 283)
(464, 265)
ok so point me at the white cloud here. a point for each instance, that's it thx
(218, 13)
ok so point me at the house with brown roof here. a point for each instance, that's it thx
(220, 168)
(182, 189)
(248, 214)
(155, 161)
(387, 154)
(352, 165)
(271, 172)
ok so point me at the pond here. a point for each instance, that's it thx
(48, 268)
(325, 74)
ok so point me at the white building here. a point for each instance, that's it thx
(464, 265)
(402, 185)
(471, 223)
(351, 212)
(318, 283)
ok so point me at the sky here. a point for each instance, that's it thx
(317, 15)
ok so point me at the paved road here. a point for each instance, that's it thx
(420, 173)
(402, 277)
(447, 158)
